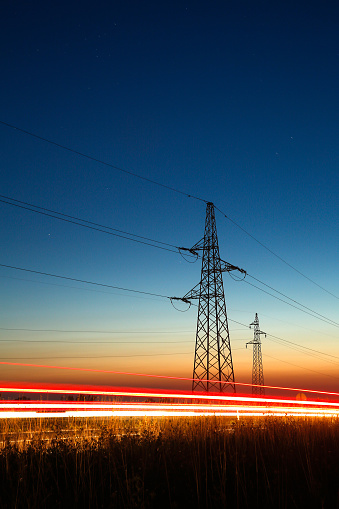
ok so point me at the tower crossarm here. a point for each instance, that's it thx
(260, 332)
(195, 293)
(192, 294)
(228, 267)
(198, 246)
(253, 342)
(224, 266)
(257, 331)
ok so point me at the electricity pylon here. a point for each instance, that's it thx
(257, 369)
(213, 365)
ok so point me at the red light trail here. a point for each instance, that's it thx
(166, 377)
(154, 393)
(194, 404)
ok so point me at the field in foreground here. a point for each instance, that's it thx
(174, 463)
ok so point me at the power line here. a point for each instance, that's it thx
(301, 367)
(43, 209)
(84, 281)
(298, 325)
(315, 315)
(302, 348)
(93, 227)
(290, 298)
(92, 342)
(83, 220)
(276, 255)
(276, 339)
(59, 145)
(101, 332)
(326, 320)
(293, 345)
(76, 288)
(239, 323)
(94, 331)
(312, 312)
(305, 352)
(100, 161)
(93, 356)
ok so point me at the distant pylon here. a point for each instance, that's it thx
(257, 369)
(213, 365)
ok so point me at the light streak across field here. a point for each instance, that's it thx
(178, 404)
(166, 377)
(113, 407)
(150, 393)
(48, 410)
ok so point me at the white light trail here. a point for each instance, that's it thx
(35, 409)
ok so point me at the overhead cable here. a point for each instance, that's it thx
(96, 331)
(301, 367)
(92, 356)
(92, 342)
(276, 255)
(302, 348)
(59, 145)
(314, 314)
(82, 154)
(324, 319)
(76, 220)
(84, 281)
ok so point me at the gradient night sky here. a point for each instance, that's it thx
(232, 101)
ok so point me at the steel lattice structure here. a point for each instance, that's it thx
(213, 365)
(257, 369)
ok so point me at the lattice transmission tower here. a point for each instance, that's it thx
(257, 369)
(213, 365)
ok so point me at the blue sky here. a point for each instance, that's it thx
(234, 102)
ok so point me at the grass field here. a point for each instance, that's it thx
(169, 463)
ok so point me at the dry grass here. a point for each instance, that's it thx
(174, 463)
